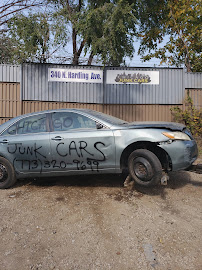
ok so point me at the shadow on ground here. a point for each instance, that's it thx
(177, 180)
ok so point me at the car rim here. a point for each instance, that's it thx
(3, 173)
(143, 169)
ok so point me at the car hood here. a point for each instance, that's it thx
(167, 125)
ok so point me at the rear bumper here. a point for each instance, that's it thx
(182, 153)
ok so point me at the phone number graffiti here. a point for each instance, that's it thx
(72, 156)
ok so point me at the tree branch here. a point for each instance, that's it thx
(16, 10)
(90, 59)
(75, 59)
(81, 47)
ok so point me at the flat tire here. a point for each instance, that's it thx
(144, 167)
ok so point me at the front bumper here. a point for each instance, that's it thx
(181, 153)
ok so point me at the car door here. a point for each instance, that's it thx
(78, 146)
(26, 144)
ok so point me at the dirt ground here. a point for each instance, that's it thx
(95, 223)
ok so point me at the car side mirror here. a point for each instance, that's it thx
(99, 126)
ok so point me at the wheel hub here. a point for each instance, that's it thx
(3, 173)
(143, 169)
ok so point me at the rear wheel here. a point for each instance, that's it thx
(144, 167)
(7, 174)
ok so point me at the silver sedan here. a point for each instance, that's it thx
(76, 141)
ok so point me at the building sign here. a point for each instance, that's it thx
(75, 75)
(132, 77)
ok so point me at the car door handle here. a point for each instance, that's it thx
(4, 141)
(57, 138)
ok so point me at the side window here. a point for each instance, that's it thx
(63, 121)
(32, 124)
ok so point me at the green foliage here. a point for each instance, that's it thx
(191, 117)
(108, 30)
(181, 22)
(102, 28)
(105, 29)
(6, 46)
(30, 38)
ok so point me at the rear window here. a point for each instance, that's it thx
(108, 118)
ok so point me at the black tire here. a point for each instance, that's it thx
(144, 167)
(7, 174)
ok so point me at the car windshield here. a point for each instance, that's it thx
(108, 118)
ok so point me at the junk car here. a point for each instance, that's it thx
(79, 141)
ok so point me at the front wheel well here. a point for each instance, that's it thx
(153, 147)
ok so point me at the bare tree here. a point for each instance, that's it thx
(8, 8)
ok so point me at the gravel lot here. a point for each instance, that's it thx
(95, 223)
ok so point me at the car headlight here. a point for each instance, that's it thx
(177, 135)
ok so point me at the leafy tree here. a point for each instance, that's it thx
(102, 28)
(30, 37)
(181, 22)
(109, 30)
(6, 47)
(21, 36)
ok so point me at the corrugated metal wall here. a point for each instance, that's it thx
(10, 73)
(141, 112)
(196, 96)
(36, 86)
(34, 106)
(126, 112)
(193, 80)
(135, 102)
(169, 91)
(10, 103)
